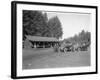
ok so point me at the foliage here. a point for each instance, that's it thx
(82, 37)
(36, 23)
(55, 27)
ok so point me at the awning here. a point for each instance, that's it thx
(38, 38)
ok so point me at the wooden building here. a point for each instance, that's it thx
(42, 42)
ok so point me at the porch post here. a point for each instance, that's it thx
(34, 44)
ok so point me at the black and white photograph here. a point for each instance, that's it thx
(55, 39)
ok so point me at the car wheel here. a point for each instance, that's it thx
(65, 50)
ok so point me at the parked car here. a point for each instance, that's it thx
(66, 47)
(84, 46)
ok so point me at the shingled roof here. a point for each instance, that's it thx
(38, 38)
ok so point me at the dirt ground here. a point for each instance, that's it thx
(47, 58)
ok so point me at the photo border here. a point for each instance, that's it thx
(14, 38)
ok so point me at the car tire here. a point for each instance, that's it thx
(65, 50)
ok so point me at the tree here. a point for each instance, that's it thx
(55, 28)
(82, 37)
(34, 23)
(46, 33)
(45, 17)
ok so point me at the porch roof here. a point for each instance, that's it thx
(39, 38)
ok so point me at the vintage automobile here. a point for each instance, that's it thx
(84, 46)
(71, 47)
(64, 47)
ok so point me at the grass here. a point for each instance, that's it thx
(47, 58)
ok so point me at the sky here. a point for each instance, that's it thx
(72, 23)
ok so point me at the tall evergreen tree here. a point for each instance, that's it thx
(34, 23)
(55, 27)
